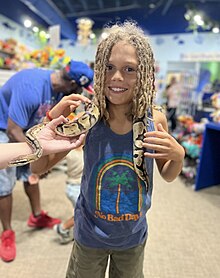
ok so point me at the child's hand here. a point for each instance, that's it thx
(67, 104)
(163, 144)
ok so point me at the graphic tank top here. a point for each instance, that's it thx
(111, 209)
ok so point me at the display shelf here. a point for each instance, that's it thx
(6, 53)
(208, 173)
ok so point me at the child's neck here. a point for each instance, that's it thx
(119, 121)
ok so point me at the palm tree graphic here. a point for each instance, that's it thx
(123, 179)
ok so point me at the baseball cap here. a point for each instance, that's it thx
(81, 73)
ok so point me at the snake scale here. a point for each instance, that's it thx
(81, 125)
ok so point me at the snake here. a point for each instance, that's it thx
(72, 128)
(81, 125)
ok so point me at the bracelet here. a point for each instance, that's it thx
(48, 116)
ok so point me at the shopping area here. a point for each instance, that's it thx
(184, 219)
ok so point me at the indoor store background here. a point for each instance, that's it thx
(184, 221)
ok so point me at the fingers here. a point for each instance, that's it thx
(160, 132)
(78, 141)
(156, 155)
(156, 147)
(77, 97)
(67, 105)
(55, 122)
(160, 128)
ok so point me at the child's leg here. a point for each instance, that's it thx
(127, 263)
(87, 262)
(68, 224)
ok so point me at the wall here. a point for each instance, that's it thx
(167, 48)
(10, 29)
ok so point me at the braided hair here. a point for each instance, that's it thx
(145, 88)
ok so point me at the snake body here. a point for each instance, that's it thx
(139, 128)
(81, 125)
(71, 129)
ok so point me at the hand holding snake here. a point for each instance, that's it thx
(67, 104)
(53, 143)
(67, 129)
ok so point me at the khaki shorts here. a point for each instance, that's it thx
(88, 262)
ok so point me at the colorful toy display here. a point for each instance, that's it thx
(190, 134)
(14, 56)
(216, 104)
(48, 58)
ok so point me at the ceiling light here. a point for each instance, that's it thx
(27, 23)
(35, 29)
(215, 30)
(198, 20)
(92, 36)
(104, 35)
(152, 5)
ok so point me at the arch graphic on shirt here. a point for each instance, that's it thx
(108, 172)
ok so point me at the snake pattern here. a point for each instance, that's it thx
(73, 128)
(81, 125)
(139, 128)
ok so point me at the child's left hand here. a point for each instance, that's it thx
(163, 144)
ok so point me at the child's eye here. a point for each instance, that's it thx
(129, 69)
(109, 67)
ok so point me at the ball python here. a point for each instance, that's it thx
(72, 128)
(81, 125)
(139, 128)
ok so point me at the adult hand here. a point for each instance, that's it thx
(67, 104)
(53, 143)
(165, 146)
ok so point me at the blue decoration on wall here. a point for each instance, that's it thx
(8, 26)
(181, 42)
(176, 37)
(159, 41)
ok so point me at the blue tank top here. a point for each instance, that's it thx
(112, 205)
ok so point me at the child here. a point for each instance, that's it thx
(117, 182)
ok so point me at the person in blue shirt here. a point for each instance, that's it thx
(119, 151)
(24, 100)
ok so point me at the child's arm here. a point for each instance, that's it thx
(169, 154)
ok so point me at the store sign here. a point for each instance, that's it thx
(198, 57)
(54, 32)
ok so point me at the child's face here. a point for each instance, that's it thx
(121, 74)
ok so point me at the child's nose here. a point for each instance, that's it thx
(117, 75)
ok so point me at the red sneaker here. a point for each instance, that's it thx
(42, 221)
(8, 246)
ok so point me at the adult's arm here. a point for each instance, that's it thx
(15, 132)
(9, 151)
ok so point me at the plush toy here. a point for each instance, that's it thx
(193, 150)
(216, 104)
